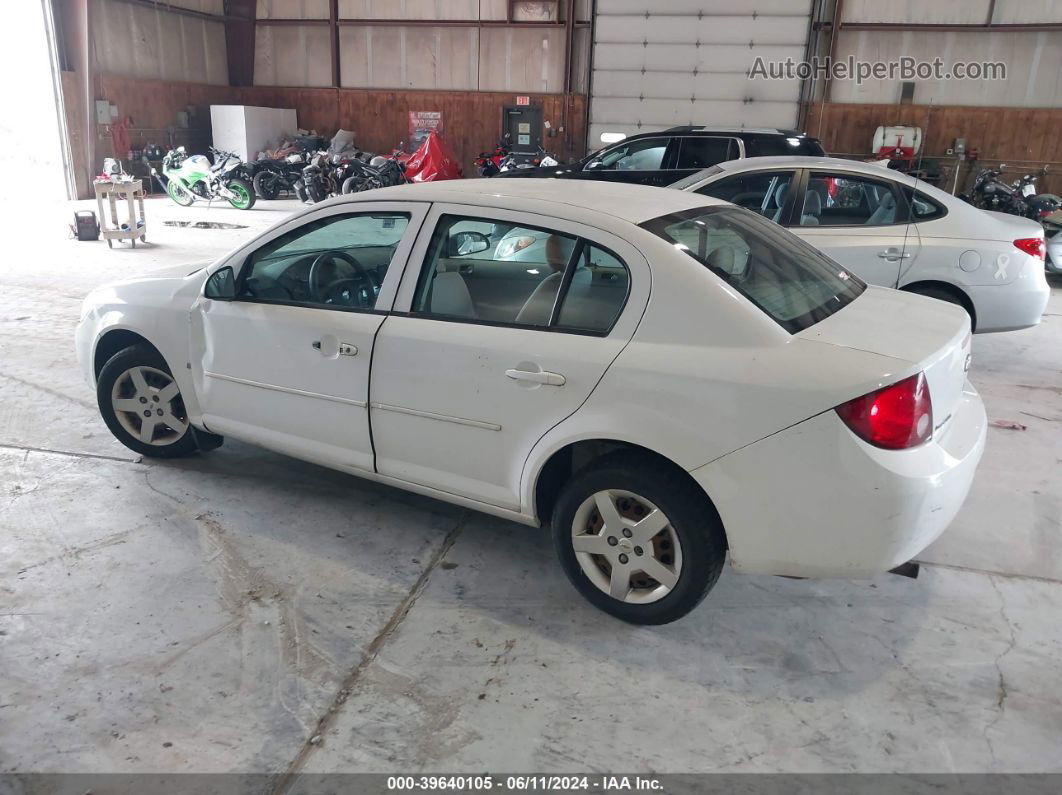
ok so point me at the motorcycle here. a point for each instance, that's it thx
(318, 180)
(380, 172)
(274, 176)
(990, 192)
(513, 161)
(191, 177)
(1037, 205)
(489, 163)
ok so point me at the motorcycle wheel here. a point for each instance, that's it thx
(179, 193)
(266, 185)
(244, 198)
(353, 184)
(315, 194)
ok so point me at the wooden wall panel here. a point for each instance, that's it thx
(379, 119)
(1023, 138)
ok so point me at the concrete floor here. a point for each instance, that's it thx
(207, 614)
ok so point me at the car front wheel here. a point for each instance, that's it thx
(142, 405)
(636, 541)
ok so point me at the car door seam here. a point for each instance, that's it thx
(376, 335)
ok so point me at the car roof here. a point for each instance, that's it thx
(701, 128)
(632, 203)
(800, 161)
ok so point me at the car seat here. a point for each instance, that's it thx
(885, 212)
(450, 296)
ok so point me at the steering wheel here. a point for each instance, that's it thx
(362, 276)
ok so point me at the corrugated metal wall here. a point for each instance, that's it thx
(1033, 59)
(659, 64)
(133, 40)
(520, 60)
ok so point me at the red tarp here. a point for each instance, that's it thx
(433, 161)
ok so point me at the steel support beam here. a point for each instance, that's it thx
(239, 41)
(913, 27)
(159, 5)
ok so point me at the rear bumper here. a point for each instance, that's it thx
(1017, 305)
(816, 501)
(1054, 253)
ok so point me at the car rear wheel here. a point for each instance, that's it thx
(637, 542)
(142, 405)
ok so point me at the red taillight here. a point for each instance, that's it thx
(894, 417)
(1033, 246)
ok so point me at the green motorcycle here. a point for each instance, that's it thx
(191, 177)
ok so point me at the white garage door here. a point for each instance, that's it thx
(662, 64)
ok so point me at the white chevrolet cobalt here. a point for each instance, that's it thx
(893, 230)
(661, 376)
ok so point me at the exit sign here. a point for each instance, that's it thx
(523, 100)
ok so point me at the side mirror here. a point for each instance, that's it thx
(464, 243)
(221, 286)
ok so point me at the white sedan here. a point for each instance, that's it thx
(688, 379)
(893, 230)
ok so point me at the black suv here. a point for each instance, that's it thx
(660, 158)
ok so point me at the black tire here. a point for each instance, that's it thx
(139, 356)
(691, 515)
(315, 194)
(266, 185)
(352, 184)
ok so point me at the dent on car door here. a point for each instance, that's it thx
(467, 377)
(857, 219)
(285, 363)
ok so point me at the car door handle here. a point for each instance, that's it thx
(537, 377)
(893, 254)
(343, 349)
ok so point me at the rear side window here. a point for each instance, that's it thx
(848, 200)
(702, 152)
(923, 208)
(791, 282)
(497, 273)
(769, 145)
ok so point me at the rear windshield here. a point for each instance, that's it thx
(791, 282)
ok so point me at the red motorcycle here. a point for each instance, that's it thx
(489, 163)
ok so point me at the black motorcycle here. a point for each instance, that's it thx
(318, 180)
(990, 192)
(380, 172)
(274, 176)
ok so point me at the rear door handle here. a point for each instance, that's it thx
(893, 254)
(537, 377)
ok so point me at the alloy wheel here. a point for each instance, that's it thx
(626, 546)
(147, 403)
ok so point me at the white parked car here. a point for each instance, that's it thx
(895, 231)
(692, 379)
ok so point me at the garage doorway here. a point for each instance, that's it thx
(33, 152)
